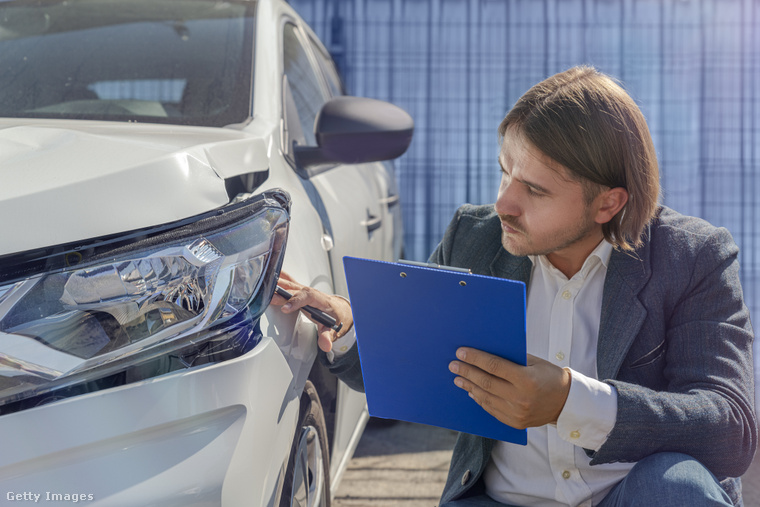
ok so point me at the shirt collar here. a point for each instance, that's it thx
(601, 253)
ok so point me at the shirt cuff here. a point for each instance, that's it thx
(342, 345)
(589, 414)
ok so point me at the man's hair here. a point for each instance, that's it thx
(583, 120)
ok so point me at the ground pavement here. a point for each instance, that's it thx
(405, 465)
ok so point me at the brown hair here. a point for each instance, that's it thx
(583, 120)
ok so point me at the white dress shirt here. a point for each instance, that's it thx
(562, 327)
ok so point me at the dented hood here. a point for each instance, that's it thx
(64, 181)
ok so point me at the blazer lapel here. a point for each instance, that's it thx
(622, 312)
(505, 265)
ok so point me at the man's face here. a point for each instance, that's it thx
(542, 210)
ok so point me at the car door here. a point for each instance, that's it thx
(347, 199)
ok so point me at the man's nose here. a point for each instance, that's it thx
(507, 201)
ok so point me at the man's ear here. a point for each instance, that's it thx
(609, 203)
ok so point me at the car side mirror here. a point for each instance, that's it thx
(355, 130)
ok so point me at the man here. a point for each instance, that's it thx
(639, 385)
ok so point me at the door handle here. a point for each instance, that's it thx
(390, 201)
(372, 223)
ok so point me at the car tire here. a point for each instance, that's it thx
(307, 477)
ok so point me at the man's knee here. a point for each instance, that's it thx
(667, 477)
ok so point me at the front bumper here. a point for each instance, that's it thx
(213, 435)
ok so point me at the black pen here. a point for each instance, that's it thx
(317, 315)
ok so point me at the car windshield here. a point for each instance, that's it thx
(185, 62)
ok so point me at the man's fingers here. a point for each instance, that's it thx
(286, 276)
(482, 379)
(302, 297)
(290, 285)
(491, 403)
(521, 396)
(489, 363)
(326, 338)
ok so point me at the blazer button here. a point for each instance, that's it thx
(466, 478)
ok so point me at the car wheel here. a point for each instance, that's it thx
(307, 478)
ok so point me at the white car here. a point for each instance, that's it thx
(160, 162)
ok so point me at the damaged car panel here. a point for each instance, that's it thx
(162, 160)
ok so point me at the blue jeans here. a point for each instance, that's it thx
(665, 479)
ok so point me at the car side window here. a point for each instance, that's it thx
(304, 82)
(327, 66)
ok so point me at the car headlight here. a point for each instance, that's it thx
(146, 302)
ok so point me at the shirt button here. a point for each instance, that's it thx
(566, 474)
(575, 434)
(466, 478)
(560, 356)
(566, 295)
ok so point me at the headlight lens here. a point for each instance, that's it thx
(74, 314)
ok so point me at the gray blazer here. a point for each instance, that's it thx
(675, 340)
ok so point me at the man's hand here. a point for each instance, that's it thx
(520, 396)
(302, 295)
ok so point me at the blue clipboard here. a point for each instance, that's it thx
(409, 322)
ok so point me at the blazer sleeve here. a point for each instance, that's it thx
(704, 405)
(347, 368)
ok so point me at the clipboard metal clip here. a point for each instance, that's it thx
(434, 266)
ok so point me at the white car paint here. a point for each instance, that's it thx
(218, 434)
(104, 161)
